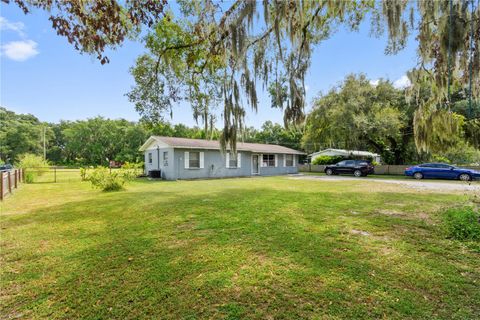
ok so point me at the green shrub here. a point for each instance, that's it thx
(83, 174)
(323, 160)
(132, 170)
(33, 165)
(110, 180)
(463, 223)
(29, 176)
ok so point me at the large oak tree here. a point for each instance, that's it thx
(209, 50)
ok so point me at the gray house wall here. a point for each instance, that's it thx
(168, 170)
(214, 165)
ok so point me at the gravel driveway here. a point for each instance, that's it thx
(429, 185)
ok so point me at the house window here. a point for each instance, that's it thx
(165, 159)
(194, 160)
(232, 163)
(269, 160)
(289, 160)
(150, 160)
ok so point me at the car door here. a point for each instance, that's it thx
(444, 171)
(429, 170)
(340, 167)
(349, 166)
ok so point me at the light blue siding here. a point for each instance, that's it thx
(167, 167)
(214, 165)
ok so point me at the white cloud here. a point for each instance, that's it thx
(20, 50)
(307, 88)
(375, 82)
(402, 82)
(17, 27)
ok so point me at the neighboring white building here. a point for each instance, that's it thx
(346, 153)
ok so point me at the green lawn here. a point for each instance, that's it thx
(256, 248)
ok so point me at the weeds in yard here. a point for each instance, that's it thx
(106, 180)
(463, 223)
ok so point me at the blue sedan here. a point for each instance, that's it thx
(441, 171)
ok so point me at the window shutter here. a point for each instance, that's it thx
(201, 159)
(261, 161)
(187, 159)
(284, 160)
(227, 158)
(276, 159)
(294, 164)
(239, 160)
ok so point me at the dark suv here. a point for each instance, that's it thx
(359, 168)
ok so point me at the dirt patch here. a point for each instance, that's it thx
(360, 232)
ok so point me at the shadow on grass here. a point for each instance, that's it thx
(241, 252)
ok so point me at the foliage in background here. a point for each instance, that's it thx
(463, 223)
(20, 134)
(34, 166)
(110, 180)
(358, 115)
(132, 170)
(323, 160)
(93, 141)
(205, 50)
(274, 133)
(94, 26)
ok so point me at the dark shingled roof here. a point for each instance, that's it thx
(215, 145)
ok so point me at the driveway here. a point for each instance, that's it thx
(428, 185)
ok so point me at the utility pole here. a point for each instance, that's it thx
(44, 148)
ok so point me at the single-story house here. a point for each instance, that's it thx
(182, 158)
(346, 153)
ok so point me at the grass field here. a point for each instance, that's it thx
(255, 248)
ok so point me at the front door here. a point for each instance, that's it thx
(255, 164)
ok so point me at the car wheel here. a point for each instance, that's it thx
(329, 172)
(465, 177)
(418, 175)
(357, 173)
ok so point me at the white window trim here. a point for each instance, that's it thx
(259, 159)
(201, 160)
(285, 160)
(187, 159)
(227, 161)
(262, 164)
(239, 160)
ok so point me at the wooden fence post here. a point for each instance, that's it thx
(9, 182)
(23, 175)
(1, 186)
(16, 177)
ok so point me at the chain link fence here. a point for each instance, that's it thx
(52, 174)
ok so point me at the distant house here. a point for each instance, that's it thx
(181, 158)
(346, 153)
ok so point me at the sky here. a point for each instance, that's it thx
(42, 74)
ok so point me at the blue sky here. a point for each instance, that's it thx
(43, 75)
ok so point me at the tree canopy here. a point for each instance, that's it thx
(97, 140)
(210, 53)
(357, 115)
